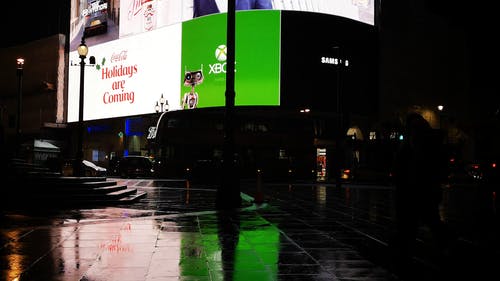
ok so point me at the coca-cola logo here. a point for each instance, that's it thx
(121, 56)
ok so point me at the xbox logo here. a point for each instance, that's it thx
(221, 53)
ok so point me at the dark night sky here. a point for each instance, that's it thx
(25, 21)
(473, 27)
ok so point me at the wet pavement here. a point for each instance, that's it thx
(302, 231)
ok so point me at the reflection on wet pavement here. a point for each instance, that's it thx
(174, 233)
(196, 247)
(304, 232)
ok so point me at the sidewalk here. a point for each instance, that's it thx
(301, 232)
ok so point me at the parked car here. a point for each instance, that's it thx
(134, 166)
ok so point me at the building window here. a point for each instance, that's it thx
(254, 127)
(282, 154)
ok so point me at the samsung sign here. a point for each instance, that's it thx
(334, 61)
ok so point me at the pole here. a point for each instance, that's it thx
(228, 193)
(339, 107)
(20, 63)
(340, 135)
(79, 150)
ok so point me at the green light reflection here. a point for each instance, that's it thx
(235, 250)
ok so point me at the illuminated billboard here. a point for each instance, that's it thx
(257, 58)
(145, 50)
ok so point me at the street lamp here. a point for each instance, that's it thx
(441, 115)
(20, 65)
(338, 97)
(162, 102)
(83, 50)
(161, 105)
(338, 162)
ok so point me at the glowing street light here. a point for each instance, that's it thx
(83, 50)
(161, 105)
(20, 65)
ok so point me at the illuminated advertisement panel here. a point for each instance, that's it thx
(257, 59)
(137, 16)
(107, 20)
(129, 76)
(176, 50)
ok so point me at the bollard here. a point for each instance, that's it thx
(188, 184)
(188, 178)
(259, 197)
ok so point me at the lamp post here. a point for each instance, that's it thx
(82, 52)
(162, 102)
(339, 161)
(440, 110)
(161, 105)
(20, 65)
(338, 93)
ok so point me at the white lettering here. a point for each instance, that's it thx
(94, 8)
(334, 61)
(152, 133)
(218, 68)
(326, 60)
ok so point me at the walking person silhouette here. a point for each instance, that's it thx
(419, 171)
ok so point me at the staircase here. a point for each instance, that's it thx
(30, 185)
(85, 190)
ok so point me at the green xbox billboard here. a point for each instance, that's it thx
(257, 60)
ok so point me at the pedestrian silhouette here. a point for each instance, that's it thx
(419, 169)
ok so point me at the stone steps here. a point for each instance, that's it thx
(30, 185)
(82, 190)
